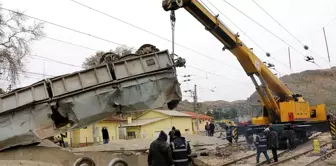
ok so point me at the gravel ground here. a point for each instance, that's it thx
(216, 161)
(302, 160)
(143, 143)
(213, 160)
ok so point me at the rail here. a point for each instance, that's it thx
(264, 162)
(324, 157)
(296, 156)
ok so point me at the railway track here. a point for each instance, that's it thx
(300, 158)
(250, 159)
(321, 158)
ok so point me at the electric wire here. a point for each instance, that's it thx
(154, 34)
(299, 41)
(244, 32)
(278, 22)
(62, 41)
(276, 36)
(53, 60)
(64, 27)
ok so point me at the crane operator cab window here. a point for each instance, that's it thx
(259, 111)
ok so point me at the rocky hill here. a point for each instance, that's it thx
(316, 86)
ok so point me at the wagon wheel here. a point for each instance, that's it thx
(84, 161)
(146, 49)
(118, 162)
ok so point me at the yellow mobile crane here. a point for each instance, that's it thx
(278, 104)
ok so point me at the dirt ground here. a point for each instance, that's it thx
(143, 143)
(49, 154)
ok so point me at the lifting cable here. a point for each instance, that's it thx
(180, 62)
(172, 22)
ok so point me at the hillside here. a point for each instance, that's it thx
(316, 86)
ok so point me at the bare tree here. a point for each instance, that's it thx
(16, 34)
(95, 59)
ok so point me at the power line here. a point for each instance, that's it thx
(217, 75)
(53, 60)
(263, 27)
(154, 34)
(285, 28)
(62, 41)
(64, 27)
(278, 22)
(243, 32)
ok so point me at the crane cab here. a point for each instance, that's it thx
(259, 115)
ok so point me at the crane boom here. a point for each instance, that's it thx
(252, 65)
(279, 104)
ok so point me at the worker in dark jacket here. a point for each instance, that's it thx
(171, 134)
(249, 138)
(159, 152)
(261, 144)
(228, 134)
(211, 129)
(106, 136)
(181, 150)
(274, 143)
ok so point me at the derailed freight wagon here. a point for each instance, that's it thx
(140, 81)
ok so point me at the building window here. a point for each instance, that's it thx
(131, 134)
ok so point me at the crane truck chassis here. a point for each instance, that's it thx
(292, 116)
(146, 80)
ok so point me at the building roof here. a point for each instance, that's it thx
(142, 122)
(172, 113)
(114, 118)
(200, 116)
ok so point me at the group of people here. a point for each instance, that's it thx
(209, 129)
(176, 152)
(267, 139)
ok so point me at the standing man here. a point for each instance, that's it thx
(206, 129)
(228, 134)
(171, 134)
(274, 143)
(159, 153)
(61, 141)
(212, 128)
(261, 144)
(181, 150)
(249, 138)
(106, 136)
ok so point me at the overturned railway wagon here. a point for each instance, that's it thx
(76, 100)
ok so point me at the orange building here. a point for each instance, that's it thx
(202, 120)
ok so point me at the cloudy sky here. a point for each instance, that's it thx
(217, 74)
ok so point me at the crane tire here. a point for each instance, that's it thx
(84, 161)
(118, 162)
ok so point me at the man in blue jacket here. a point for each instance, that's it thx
(180, 150)
(261, 144)
(228, 134)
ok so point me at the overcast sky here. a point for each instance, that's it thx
(218, 74)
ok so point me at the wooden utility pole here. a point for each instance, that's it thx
(196, 108)
(326, 42)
